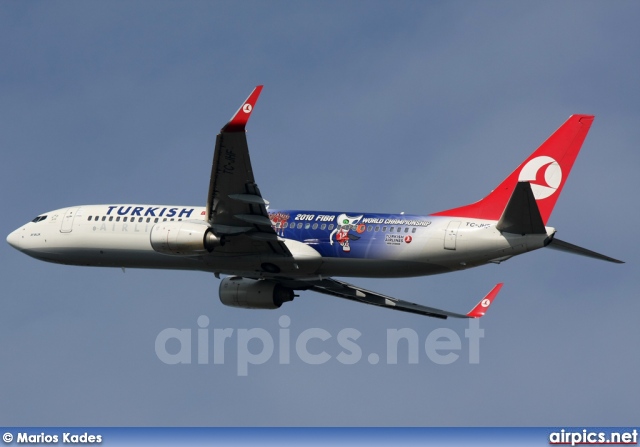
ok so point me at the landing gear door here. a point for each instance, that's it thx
(451, 235)
(67, 220)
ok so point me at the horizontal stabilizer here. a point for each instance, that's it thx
(521, 215)
(557, 244)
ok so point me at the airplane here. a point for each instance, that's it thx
(268, 255)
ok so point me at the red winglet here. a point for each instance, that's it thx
(239, 120)
(483, 305)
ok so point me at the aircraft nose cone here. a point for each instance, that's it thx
(14, 239)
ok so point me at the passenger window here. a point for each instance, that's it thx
(139, 219)
(88, 218)
(164, 220)
(391, 229)
(323, 226)
(299, 225)
(156, 220)
(171, 219)
(118, 219)
(124, 219)
(315, 226)
(369, 228)
(104, 218)
(285, 225)
(413, 230)
(384, 228)
(377, 228)
(148, 219)
(330, 227)
(97, 218)
(110, 218)
(399, 229)
(406, 229)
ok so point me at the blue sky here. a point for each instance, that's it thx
(380, 107)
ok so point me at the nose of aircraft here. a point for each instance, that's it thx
(14, 239)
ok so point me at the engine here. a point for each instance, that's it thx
(253, 294)
(183, 238)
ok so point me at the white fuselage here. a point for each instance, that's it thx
(119, 236)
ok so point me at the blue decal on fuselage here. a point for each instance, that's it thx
(349, 235)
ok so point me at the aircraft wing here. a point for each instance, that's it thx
(348, 291)
(235, 208)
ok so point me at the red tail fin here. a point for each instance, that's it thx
(546, 169)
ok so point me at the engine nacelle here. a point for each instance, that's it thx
(183, 238)
(236, 291)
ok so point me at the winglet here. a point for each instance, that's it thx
(483, 305)
(239, 120)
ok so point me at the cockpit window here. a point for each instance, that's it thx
(39, 219)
